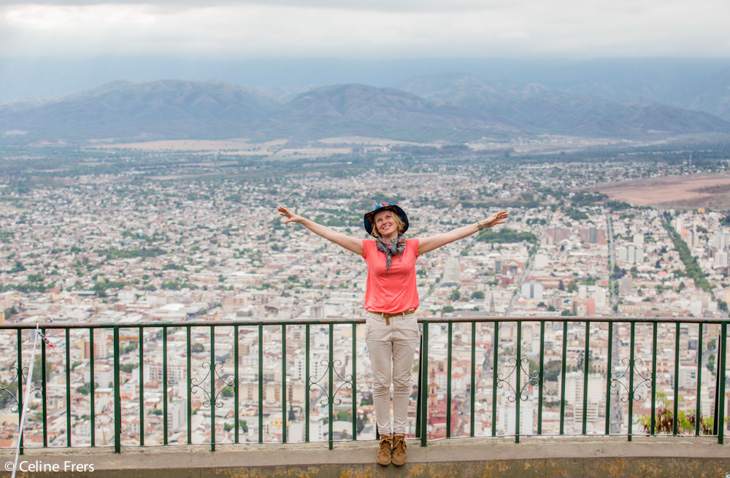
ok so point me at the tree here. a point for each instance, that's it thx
(37, 369)
(572, 286)
(455, 295)
(477, 294)
(6, 391)
(504, 235)
(128, 367)
(664, 421)
(552, 370)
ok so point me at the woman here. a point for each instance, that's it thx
(391, 301)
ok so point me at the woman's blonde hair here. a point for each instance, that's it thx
(399, 224)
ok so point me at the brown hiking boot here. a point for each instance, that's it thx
(399, 450)
(386, 442)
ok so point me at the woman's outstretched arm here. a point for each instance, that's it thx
(434, 242)
(352, 244)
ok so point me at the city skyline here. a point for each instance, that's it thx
(126, 251)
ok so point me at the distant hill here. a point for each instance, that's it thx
(537, 108)
(701, 84)
(360, 110)
(156, 110)
(446, 107)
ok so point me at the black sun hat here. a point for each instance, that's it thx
(384, 206)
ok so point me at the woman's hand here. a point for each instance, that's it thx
(290, 216)
(494, 219)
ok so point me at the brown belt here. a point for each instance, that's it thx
(388, 316)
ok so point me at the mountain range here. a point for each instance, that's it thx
(450, 107)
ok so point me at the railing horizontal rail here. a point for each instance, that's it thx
(344, 320)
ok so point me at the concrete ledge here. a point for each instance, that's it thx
(532, 457)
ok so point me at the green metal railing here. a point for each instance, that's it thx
(512, 390)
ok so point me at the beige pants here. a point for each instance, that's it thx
(391, 348)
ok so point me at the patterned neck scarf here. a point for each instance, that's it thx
(391, 247)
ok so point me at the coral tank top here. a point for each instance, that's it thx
(394, 293)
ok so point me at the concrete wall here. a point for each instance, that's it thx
(484, 458)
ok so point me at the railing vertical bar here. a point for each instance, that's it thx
(721, 380)
(631, 379)
(420, 384)
(449, 355)
(495, 367)
(472, 385)
(698, 408)
(676, 380)
(518, 382)
(306, 382)
(424, 387)
(45, 391)
(92, 387)
(261, 383)
(189, 351)
(354, 382)
(164, 385)
(68, 388)
(609, 412)
(330, 385)
(283, 383)
(20, 384)
(652, 431)
(212, 388)
(562, 378)
(540, 377)
(586, 370)
(235, 387)
(141, 385)
(117, 396)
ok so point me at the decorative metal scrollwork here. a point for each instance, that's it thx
(315, 384)
(532, 379)
(230, 382)
(7, 387)
(616, 382)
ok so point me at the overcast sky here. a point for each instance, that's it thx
(241, 29)
(58, 47)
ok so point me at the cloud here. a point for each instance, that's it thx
(374, 5)
(364, 28)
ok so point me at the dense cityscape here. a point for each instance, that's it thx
(128, 248)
